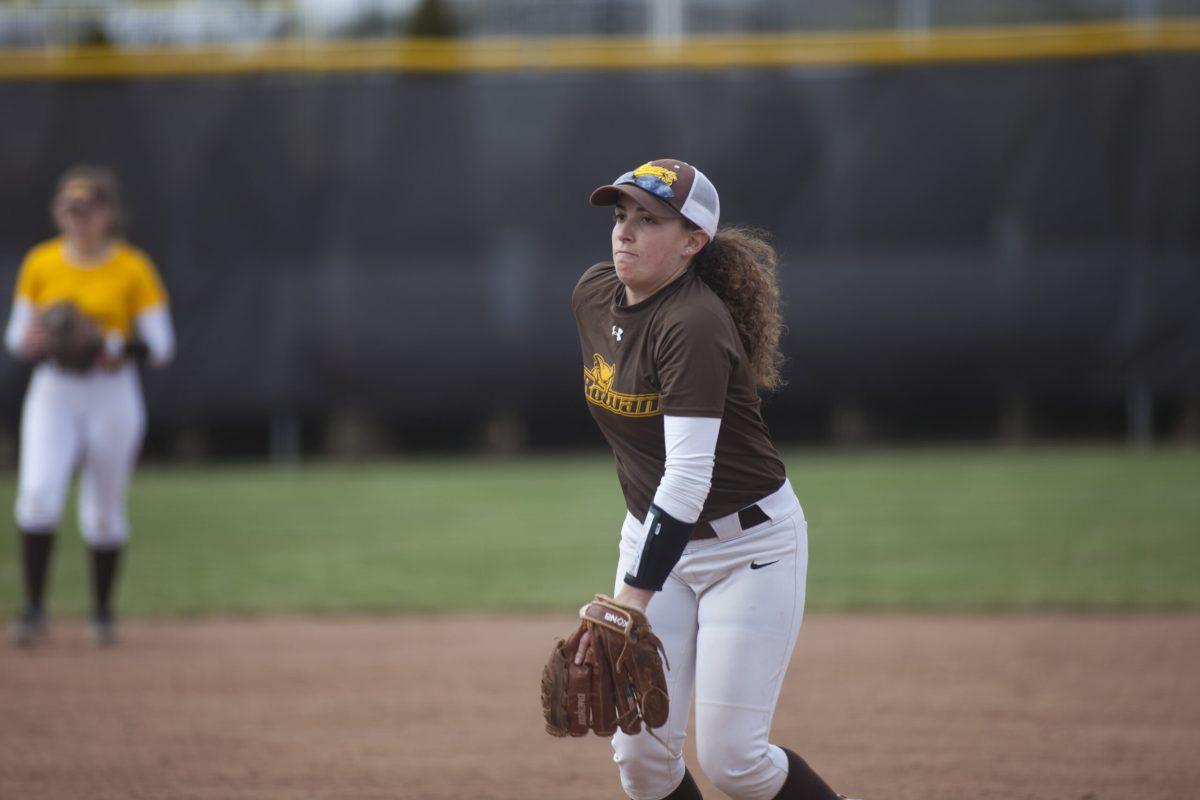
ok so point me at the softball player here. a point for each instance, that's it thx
(91, 419)
(678, 332)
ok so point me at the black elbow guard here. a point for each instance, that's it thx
(665, 539)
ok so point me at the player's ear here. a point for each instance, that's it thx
(696, 239)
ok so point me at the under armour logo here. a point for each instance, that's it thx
(617, 332)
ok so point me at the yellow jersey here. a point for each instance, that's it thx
(111, 293)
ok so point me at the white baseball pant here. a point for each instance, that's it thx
(728, 630)
(93, 420)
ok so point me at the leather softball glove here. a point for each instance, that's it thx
(620, 683)
(72, 340)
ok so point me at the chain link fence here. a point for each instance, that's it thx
(130, 23)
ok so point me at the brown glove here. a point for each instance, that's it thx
(72, 340)
(620, 683)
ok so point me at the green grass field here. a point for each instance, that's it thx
(953, 529)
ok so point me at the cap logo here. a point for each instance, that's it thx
(655, 180)
(662, 173)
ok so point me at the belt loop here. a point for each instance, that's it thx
(726, 527)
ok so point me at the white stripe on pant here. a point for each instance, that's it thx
(728, 631)
(93, 420)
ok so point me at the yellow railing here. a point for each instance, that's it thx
(891, 47)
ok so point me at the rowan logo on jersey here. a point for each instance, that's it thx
(597, 388)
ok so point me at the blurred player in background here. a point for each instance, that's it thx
(679, 331)
(88, 413)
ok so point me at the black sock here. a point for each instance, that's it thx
(36, 549)
(687, 789)
(802, 783)
(104, 574)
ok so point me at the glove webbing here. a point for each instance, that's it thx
(629, 634)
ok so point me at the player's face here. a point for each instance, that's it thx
(648, 250)
(87, 224)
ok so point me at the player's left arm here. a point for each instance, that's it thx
(695, 356)
(153, 327)
(691, 445)
(156, 332)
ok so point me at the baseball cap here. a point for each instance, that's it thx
(82, 194)
(667, 187)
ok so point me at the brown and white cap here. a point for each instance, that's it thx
(667, 187)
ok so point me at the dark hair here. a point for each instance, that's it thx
(107, 185)
(739, 265)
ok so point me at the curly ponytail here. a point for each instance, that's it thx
(739, 265)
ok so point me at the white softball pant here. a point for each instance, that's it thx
(728, 631)
(94, 421)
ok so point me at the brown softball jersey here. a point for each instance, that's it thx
(676, 352)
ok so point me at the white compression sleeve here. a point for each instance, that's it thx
(18, 324)
(691, 444)
(155, 329)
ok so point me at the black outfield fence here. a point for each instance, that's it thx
(1008, 245)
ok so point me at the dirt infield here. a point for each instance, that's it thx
(887, 707)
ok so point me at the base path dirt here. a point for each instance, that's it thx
(886, 707)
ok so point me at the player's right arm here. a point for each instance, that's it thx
(25, 337)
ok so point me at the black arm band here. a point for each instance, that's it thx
(137, 350)
(665, 539)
